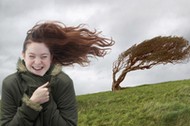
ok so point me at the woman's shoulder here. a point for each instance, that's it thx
(62, 76)
(62, 82)
(11, 79)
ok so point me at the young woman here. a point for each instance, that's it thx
(40, 93)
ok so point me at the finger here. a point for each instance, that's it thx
(48, 86)
(45, 85)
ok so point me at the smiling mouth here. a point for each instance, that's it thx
(37, 69)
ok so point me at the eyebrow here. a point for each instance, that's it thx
(40, 54)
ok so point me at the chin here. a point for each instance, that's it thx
(39, 74)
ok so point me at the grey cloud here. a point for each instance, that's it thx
(11, 8)
(126, 21)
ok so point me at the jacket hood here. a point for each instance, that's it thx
(53, 70)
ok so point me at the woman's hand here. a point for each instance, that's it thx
(41, 94)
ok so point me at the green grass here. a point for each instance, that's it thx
(163, 104)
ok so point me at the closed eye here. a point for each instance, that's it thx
(44, 57)
(31, 56)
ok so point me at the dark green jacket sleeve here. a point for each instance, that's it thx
(62, 104)
(14, 114)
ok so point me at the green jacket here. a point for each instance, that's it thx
(18, 110)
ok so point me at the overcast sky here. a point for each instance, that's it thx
(126, 21)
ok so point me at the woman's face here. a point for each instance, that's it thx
(37, 58)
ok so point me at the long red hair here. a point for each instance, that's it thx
(69, 45)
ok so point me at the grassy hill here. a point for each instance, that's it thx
(163, 104)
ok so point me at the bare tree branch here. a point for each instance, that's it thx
(158, 50)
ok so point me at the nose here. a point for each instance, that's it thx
(38, 61)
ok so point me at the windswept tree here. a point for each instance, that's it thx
(158, 50)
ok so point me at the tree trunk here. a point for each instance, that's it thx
(116, 83)
(115, 86)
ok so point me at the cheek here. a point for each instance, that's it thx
(28, 63)
(47, 62)
(26, 60)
